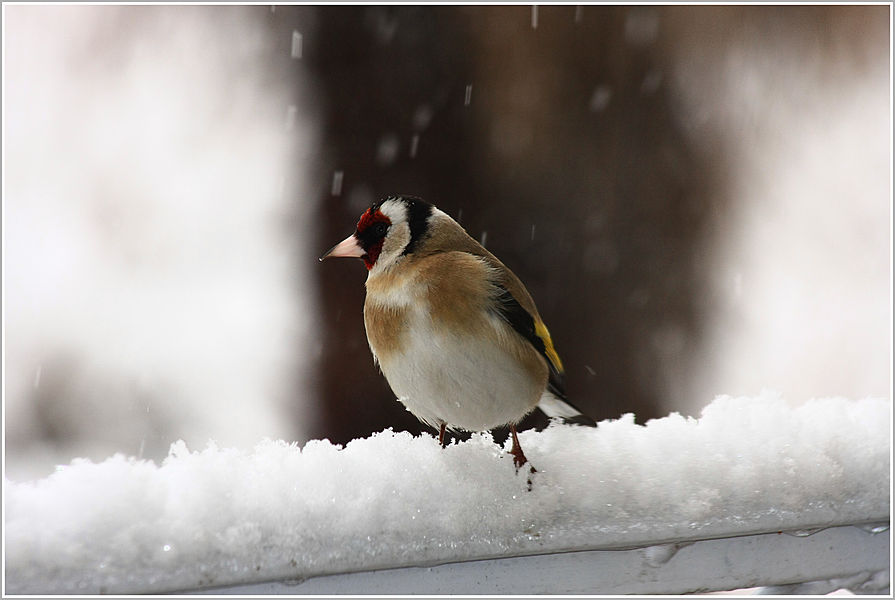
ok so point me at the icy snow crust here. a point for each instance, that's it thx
(222, 516)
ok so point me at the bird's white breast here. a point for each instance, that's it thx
(469, 382)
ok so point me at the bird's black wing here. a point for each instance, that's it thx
(535, 332)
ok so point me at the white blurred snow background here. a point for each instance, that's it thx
(151, 262)
(801, 264)
(149, 272)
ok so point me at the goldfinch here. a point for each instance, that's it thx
(454, 331)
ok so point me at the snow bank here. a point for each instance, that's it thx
(221, 516)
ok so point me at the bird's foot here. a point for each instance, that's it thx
(519, 458)
(441, 440)
(531, 472)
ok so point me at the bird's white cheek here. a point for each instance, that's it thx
(392, 249)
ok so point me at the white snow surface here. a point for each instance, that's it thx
(220, 516)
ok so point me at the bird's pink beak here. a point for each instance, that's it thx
(347, 247)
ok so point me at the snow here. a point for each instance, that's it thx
(220, 516)
(337, 183)
(599, 100)
(641, 25)
(422, 116)
(387, 149)
(144, 258)
(800, 267)
(295, 51)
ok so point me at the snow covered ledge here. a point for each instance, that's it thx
(677, 505)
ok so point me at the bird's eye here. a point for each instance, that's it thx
(379, 229)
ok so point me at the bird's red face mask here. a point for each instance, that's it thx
(366, 242)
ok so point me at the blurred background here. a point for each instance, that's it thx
(697, 197)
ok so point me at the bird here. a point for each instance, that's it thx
(455, 332)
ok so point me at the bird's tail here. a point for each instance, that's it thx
(555, 407)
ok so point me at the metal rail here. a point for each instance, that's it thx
(809, 561)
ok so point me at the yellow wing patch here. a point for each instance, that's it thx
(549, 350)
